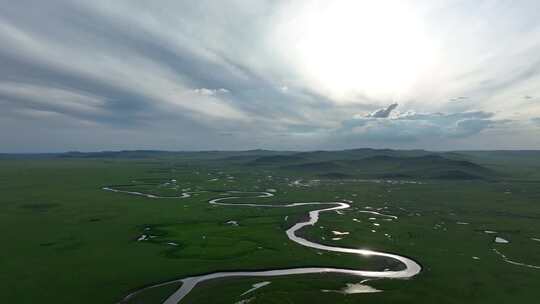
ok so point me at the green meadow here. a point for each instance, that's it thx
(66, 240)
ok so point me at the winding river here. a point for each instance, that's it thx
(411, 268)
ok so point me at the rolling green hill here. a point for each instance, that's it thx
(340, 164)
(370, 163)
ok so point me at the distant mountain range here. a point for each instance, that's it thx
(376, 164)
(354, 163)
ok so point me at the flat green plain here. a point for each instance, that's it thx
(66, 240)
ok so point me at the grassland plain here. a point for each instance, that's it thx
(65, 240)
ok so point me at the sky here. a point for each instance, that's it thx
(281, 75)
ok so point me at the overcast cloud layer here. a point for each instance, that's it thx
(194, 75)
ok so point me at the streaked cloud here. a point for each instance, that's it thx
(180, 75)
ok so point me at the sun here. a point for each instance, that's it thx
(376, 49)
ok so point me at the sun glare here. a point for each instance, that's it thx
(349, 48)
